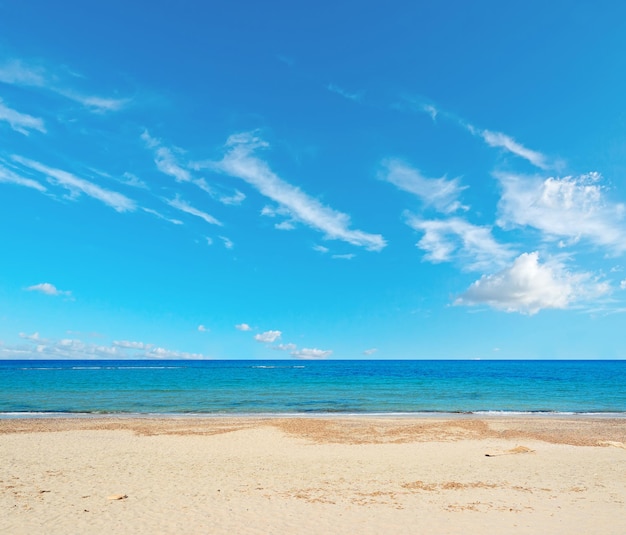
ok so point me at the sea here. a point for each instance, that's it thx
(31, 388)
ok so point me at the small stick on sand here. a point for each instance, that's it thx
(518, 449)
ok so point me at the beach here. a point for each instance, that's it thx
(366, 475)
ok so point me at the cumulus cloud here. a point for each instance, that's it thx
(572, 207)
(456, 239)
(311, 354)
(202, 329)
(240, 161)
(268, 337)
(48, 289)
(183, 206)
(77, 186)
(21, 122)
(440, 193)
(528, 287)
(243, 327)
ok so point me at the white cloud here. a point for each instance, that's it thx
(320, 249)
(227, 243)
(9, 177)
(18, 73)
(357, 97)
(572, 207)
(187, 208)
(32, 337)
(243, 327)
(165, 160)
(161, 216)
(234, 199)
(21, 122)
(371, 351)
(203, 329)
(76, 185)
(500, 140)
(622, 285)
(285, 347)
(528, 287)
(456, 239)
(311, 354)
(440, 193)
(133, 180)
(239, 161)
(268, 336)
(126, 344)
(48, 289)
(348, 256)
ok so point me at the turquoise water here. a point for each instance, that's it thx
(256, 387)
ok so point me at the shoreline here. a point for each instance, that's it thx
(313, 475)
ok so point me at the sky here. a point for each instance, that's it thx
(312, 180)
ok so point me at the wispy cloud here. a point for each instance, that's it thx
(440, 193)
(456, 239)
(168, 162)
(285, 347)
(528, 287)
(165, 160)
(18, 73)
(493, 139)
(500, 140)
(77, 186)
(21, 122)
(239, 161)
(183, 206)
(127, 344)
(357, 97)
(320, 249)
(268, 337)
(203, 328)
(243, 327)
(347, 256)
(161, 216)
(48, 289)
(572, 207)
(10, 177)
(227, 243)
(311, 354)
(370, 352)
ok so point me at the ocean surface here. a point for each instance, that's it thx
(32, 388)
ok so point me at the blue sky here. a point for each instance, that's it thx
(298, 180)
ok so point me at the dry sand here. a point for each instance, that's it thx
(309, 475)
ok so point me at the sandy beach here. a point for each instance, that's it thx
(363, 475)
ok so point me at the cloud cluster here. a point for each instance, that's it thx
(527, 286)
(74, 348)
(572, 207)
